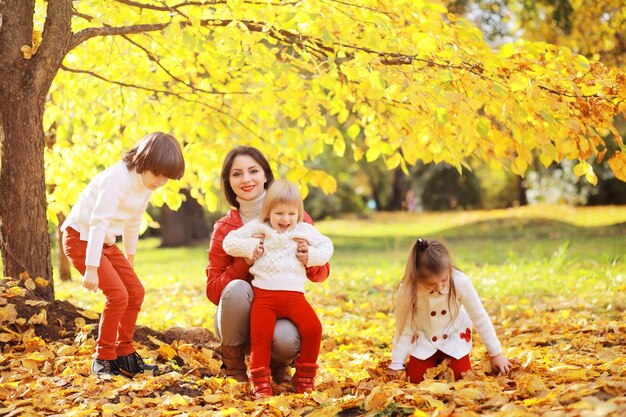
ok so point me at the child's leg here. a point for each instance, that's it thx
(135, 291)
(416, 368)
(300, 312)
(460, 365)
(262, 322)
(112, 287)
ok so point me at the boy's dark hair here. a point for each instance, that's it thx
(159, 153)
(253, 153)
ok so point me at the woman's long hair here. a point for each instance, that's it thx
(428, 258)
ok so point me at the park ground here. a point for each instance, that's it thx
(553, 279)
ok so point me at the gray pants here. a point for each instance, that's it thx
(232, 323)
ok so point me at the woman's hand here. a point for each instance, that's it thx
(501, 364)
(90, 279)
(302, 250)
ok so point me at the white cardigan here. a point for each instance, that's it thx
(436, 330)
(278, 268)
(111, 205)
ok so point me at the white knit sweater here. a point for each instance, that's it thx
(278, 268)
(111, 205)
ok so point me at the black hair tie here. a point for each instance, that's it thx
(422, 244)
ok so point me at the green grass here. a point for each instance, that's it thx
(564, 255)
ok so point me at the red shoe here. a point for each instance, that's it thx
(304, 377)
(261, 384)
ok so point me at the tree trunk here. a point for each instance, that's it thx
(25, 77)
(24, 239)
(182, 227)
(398, 191)
(521, 191)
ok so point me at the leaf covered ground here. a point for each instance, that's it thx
(555, 291)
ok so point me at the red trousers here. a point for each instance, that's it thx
(416, 368)
(122, 289)
(270, 305)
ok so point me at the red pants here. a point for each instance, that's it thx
(123, 290)
(416, 368)
(270, 305)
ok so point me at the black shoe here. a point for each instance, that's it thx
(104, 367)
(132, 364)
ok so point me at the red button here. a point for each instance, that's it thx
(433, 313)
(445, 336)
(434, 338)
(443, 312)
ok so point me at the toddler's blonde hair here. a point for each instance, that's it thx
(282, 192)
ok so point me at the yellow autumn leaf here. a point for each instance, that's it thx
(42, 282)
(230, 411)
(436, 387)
(166, 352)
(618, 164)
(376, 399)
(469, 394)
(66, 350)
(518, 82)
(89, 314)
(175, 400)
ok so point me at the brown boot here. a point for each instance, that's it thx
(281, 373)
(261, 385)
(234, 362)
(305, 376)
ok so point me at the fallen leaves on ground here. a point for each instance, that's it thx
(568, 363)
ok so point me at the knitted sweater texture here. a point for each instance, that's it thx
(278, 268)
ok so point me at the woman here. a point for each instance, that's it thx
(246, 175)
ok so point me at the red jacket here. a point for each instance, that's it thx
(223, 268)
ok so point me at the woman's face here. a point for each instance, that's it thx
(247, 178)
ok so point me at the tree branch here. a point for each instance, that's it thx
(304, 41)
(371, 9)
(57, 32)
(152, 57)
(197, 3)
(89, 33)
(164, 92)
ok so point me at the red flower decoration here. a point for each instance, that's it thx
(467, 336)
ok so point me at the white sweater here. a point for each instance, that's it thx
(438, 332)
(111, 205)
(278, 268)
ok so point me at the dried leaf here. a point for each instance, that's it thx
(89, 314)
(30, 284)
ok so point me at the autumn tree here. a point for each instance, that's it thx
(404, 81)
